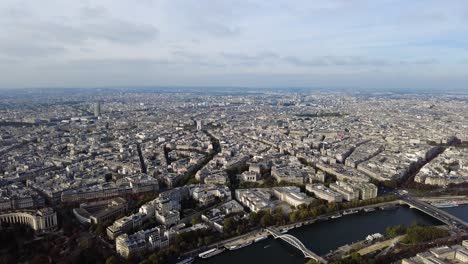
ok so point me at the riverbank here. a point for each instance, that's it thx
(323, 236)
(380, 245)
(252, 236)
(362, 247)
(247, 240)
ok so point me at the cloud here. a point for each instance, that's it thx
(25, 36)
(88, 12)
(336, 61)
(206, 18)
(183, 59)
(112, 30)
(187, 55)
(249, 60)
(119, 31)
(420, 62)
(217, 29)
(318, 61)
(132, 65)
(24, 50)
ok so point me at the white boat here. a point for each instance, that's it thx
(232, 247)
(260, 238)
(388, 207)
(348, 212)
(445, 204)
(369, 210)
(244, 245)
(335, 216)
(210, 253)
(284, 231)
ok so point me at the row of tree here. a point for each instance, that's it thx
(416, 233)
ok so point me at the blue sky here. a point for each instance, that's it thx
(331, 43)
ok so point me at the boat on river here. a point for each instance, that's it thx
(211, 253)
(336, 216)
(348, 212)
(445, 204)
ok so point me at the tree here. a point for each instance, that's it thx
(332, 206)
(393, 231)
(293, 217)
(354, 258)
(418, 234)
(229, 224)
(112, 260)
(196, 220)
(267, 220)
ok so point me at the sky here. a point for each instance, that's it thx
(371, 44)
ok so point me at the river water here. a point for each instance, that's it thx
(328, 235)
(459, 211)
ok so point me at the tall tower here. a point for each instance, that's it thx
(97, 109)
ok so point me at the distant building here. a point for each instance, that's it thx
(168, 218)
(100, 211)
(97, 109)
(442, 254)
(322, 192)
(16, 196)
(144, 240)
(292, 174)
(250, 176)
(124, 225)
(216, 179)
(199, 124)
(171, 179)
(349, 191)
(207, 194)
(366, 190)
(292, 195)
(255, 199)
(320, 176)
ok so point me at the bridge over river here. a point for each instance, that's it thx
(292, 240)
(439, 214)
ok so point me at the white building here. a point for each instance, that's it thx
(41, 220)
(322, 192)
(292, 195)
(255, 199)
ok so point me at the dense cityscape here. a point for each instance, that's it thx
(156, 176)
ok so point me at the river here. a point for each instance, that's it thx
(459, 211)
(325, 236)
